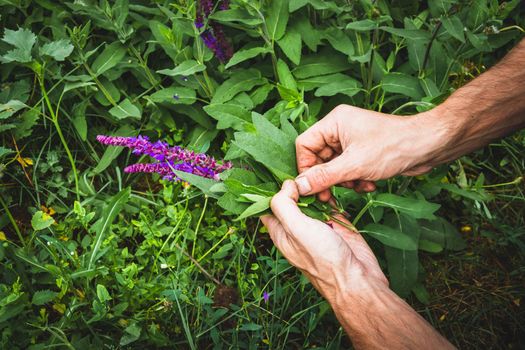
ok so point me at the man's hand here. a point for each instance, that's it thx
(344, 270)
(336, 260)
(353, 147)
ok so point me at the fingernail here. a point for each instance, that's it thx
(303, 185)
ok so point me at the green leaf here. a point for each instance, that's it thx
(269, 146)
(320, 80)
(362, 26)
(102, 293)
(339, 41)
(286, 78)
(236, 15)
(125, 109)
(202, 183)
(291, 45)
(59, 49)
(229, 116)
(243, 55)
(241, 80)
(454, 27)
(411, 34)
(42, 297)
(109, 213)
(131, 334)
(186, 68)
(402, 269)
(41, 220)
(403, 84)
(197, 115)
(320, 64)
(23, 41)
(442, 233)
(4, 151)
(347, 86)
(175, 95)
(277, 19)
(256, 208)
(112, 55)
(251, 326)
(416, 208)
(10, 108)
(390, 236)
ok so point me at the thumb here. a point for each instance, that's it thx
(323, 176)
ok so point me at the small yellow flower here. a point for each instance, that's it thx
(49, 210)
(2, 236)
(60, 308)
(24, 162)
(466, 229)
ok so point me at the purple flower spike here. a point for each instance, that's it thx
(168, 158)
(266, 296)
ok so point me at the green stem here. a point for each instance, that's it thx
(13, 222)
(199, 225)
(54, 118)
(362, 212)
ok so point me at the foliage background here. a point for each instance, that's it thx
(92, 257)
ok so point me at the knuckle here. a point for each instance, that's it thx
(321, 175)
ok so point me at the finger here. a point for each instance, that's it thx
(323, 176)
(310, 143)
(284, 207)
(325, 196)
(364, 186)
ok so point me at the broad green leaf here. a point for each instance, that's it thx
(23, 41)
(429, 246)
(41, 221)
(416, 208)
(42, 297)
(441, 233)
(339, 41)
(277, 18)
(347, 86)
(242, 80)
(10, 108)
(403, 84)
(236, 15)
(438, 7)
(103, 224)
(256, 208)
(112, 55)
(295, 5)
(196, 114)
(301, 24)
(131, 334)
(412, 34)
(402, 269)
(243, 55)
(175, 95)
(390, 236)
(454, 27)
(250, 327)
(320, 64)
(229, 116)
(59, 49)
(102, 293)
(186, 68)
(320, 80)
(165, 38)
(291, 45)
(363, 25)
(76, 85)
(125, 109)
(202, 183)
(286, 78)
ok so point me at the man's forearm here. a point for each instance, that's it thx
(381, 320)
(489, 107)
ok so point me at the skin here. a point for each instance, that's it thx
(353, 147)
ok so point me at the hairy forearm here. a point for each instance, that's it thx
(380, 319)
(489, 107)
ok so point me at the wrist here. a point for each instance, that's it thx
(435, 133)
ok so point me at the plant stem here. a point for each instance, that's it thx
(54, 118)
(362, 212)
(199, 225)
(13, 222)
